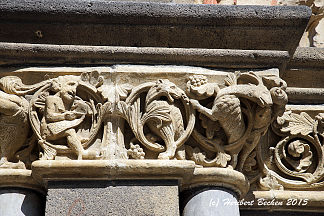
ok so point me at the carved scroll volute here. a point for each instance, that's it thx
(298, 157)
(162, 115)
(242, 110)
(66, 115)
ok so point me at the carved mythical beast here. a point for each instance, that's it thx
(162, 116)
(14, 125)
(244, 109)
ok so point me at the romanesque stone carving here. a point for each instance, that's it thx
(215, 124)
(14, 125)
(298, 156)
(66, 120)
(243, 110)
(162, 115)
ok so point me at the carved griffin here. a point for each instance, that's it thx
(162, 116)
(244, 108)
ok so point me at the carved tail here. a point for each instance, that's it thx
(14, 85)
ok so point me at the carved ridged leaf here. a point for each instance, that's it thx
(123, 90)
(131, 113)
(222, 159)
(231, 79)
(299, 124)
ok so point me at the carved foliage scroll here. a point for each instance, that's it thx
(298, 156)
(213, 124)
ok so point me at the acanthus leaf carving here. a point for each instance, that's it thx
(298, 123)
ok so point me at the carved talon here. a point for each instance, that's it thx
(164, 156)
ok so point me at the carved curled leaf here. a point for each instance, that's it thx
(299, 124)
(222, 159)
(270, 182)
(133, 116)
(93, 78)
(306, 160)
(123, 90)
(281, 120)
(200, 158)
(300, 150)
(130, 113)
(231, 79)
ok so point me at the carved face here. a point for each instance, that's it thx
(66, 86)
(68, 90)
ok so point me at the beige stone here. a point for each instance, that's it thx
(110, 123)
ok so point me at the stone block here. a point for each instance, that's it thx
(112, 198)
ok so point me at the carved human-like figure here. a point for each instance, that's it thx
(63, 112)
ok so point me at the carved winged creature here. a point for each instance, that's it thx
(227, 107)
(14, 125)
(173, 128)
(243, 111)
(162, 116)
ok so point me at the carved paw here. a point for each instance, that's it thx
(10, 165)
(164, 156)
(194, 103)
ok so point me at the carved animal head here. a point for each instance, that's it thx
(250, 86)
(9, 84)
(263, 96)
(164, 88)
(256, 93)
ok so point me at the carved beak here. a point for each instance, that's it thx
(265, 100)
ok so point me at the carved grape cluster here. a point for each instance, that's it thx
(136, 152)
(198, 80)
